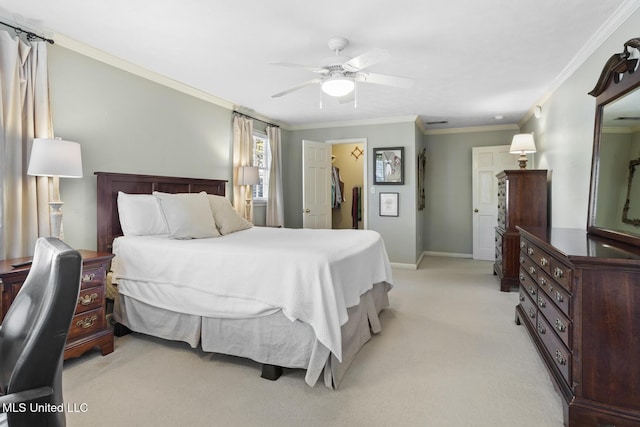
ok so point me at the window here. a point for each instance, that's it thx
(261, 159)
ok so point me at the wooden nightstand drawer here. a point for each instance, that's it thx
(93, 277)
(89, 299)
(87, 323)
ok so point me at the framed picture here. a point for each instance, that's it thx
(388, 166)
(388, 204)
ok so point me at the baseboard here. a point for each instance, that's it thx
(404, 266)
(447, 254)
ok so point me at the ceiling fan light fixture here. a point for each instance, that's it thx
(338, 86)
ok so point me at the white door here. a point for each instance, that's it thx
(487, 163)
(316, 184)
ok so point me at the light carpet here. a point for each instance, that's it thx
(449, 354)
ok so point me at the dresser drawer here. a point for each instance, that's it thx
(89, 299)
(528, 284)
(558, 321)
(561, 274)
(87, 323)
(556, 292)
(527, 265)
(540, 258)
(556, 349)
(528, 306)
(93, 276)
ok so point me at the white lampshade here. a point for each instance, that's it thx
(55, 157)
(338, 86)
(522, 143)
(248, 175)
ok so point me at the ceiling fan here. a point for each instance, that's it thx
(339, 74)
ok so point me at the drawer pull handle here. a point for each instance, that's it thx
(544, 261)
(532, 270)
(558, 273)
(532, 290)
(541, 329)
(543, 282)
(87, 299)
(521, 297)
(541, 302)
(521, 260)
(521, 277)
(530, 251)
(560, 358)
(560, 326)
(87, 322)
(88, 277)
(522, 245)
(532, 312)
(559, 297)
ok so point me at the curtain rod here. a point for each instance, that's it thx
(253, 118)
(30, 35)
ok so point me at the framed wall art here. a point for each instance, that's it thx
(388, 204)
(388, 166)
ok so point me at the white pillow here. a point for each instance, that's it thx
(140, 215)
(227, 219)
(188, 216)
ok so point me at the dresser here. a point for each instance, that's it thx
(89, 326)
(579, 299)
(522, 200)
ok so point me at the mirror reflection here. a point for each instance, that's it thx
(619, 147)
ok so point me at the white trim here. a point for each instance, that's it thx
(386, 120)
(122, 64)
(595, 41)
(404, 266)
(448, 254)
(492, 128)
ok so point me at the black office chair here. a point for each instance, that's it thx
(33, 336)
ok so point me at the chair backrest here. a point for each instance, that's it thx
(35, 328)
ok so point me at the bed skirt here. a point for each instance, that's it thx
(271, 339)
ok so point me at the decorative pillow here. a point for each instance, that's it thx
(226, 218)
(188, 216)
(140, 215)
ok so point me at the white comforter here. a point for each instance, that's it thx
(311, 275)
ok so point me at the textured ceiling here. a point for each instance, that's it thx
(471, 60)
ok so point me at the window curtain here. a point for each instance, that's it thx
(24, 115)
(275, 203)
(242, 156)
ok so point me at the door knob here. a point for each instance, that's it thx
(476, 210)
(306, 210)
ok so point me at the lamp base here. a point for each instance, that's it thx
(522, 161)
(55, 218)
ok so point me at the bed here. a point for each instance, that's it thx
(293, 298)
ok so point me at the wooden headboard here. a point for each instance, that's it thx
(110, 183)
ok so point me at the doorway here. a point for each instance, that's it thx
(348, 161)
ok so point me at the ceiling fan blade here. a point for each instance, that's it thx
(367, 59)
(385, 79)
(293, 89)
(319, 70)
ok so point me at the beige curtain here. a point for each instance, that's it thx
(24, 115)
(275, 202)
(242, 156)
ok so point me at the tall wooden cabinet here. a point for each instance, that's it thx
(522, 201)
(580, 302)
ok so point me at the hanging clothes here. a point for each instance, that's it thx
(356, 207)
(337, 188)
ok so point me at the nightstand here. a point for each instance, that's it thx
(89, 326)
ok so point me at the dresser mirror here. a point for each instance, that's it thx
(614, 202)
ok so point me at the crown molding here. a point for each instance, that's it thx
(594, 42)
(99, 55)
(367, 122)
(494, 128)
